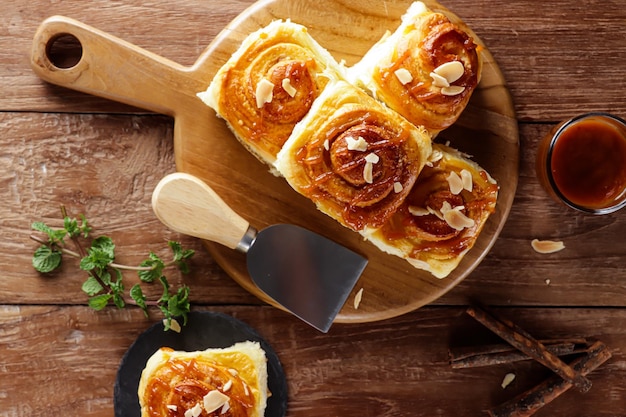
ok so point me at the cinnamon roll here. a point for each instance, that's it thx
(443, 214)
(229, 382)
(269, 84)
(426, 69)
(353, 157)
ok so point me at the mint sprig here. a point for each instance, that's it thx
(104, 284)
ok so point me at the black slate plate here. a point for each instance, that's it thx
(203, 330)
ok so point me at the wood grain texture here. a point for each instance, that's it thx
(64, 359)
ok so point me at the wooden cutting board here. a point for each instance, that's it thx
(112, 68)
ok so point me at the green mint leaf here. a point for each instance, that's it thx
(137, 295)
(99, 301)
(54, 236)
(91, 286)
(118, 300)
(99, 255)
(157, 266)
(178, 304)
(71, 226)
(46, 259)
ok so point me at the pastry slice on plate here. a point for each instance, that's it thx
(269, 84)
(353, 157)
(426, 70)
(442, 216)
(217, 381)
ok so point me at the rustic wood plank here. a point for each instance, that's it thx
(104, 167)
(403, 360)
(546, 57)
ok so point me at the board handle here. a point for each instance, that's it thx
(111, 68)
(186, 204)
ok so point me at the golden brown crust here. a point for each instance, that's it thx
(423, 42)
(282, 52)
(421, 233)
(360, 187)
(174, 382)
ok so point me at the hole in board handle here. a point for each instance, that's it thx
(64, 51)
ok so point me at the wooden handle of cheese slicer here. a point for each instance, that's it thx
(186, 204)
(111, 68)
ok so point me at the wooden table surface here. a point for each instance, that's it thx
(103, 159)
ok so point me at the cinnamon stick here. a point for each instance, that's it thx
(524, 342)
(531, 401)
(498, 354)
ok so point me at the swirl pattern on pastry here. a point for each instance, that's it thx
(353, 157)
(443, 214)
(426, 70)
(269, 84)
(229, 382)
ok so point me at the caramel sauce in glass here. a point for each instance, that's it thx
(583, 163)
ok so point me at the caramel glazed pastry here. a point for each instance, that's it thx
(225, 382)
(269, 84)
(353, 157)
(443, 214)
(426, 70)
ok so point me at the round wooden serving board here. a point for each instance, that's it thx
(118, 70)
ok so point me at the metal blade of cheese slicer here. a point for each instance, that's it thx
(305, 273)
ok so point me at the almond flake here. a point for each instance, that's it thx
(357, 298)
(403, 75)
(172, 407)
(227, 386)
(225, 407)
(455, 182)
(326, 144)
(468, 183)
(195, 411)
(397, 187)
(451, 71)
(174, 325)
(233, 372)
(453, 90)
(372, 158)
(368, 172)
(508, 378)
(290, 89)
(454, 217)
(358, 144)
(264, 92)
(547, 246)
(214, 400)
(439, 81)
(419, 211)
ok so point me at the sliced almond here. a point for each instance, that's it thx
(174, 325)
(547, 246)
(451, 71)
(358, 144)
(468, 182)
(508, 378)
(326, 144)
(397, 187)
(227, 386)
(418, 211)
(368, 172)
(403, 75)
(195, 411)
(372, 158)
(290, 89)
(214, 400)
(172, 407)
(225, 407)
(453, 90)
(435, 156)
(264, 92)
(357, 298)
(455, 182)
(455, 218)
(439, 81)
